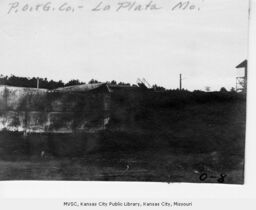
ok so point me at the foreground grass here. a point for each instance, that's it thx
(126, 167)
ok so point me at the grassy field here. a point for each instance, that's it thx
(146, 166)
(186, 139)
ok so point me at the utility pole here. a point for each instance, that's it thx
(180, 81)
(37, 82)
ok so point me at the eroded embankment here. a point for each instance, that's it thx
(38, 111)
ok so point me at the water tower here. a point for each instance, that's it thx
(241, 82)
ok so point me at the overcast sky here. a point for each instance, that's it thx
(204, 45)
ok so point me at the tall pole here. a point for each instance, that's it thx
(245, 78)
(180, 81)
(37, 82)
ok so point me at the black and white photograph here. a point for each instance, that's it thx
(127, 91)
